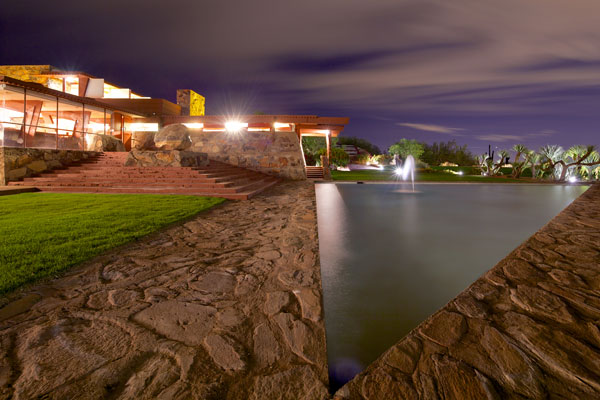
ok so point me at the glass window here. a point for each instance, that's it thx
(41, 110)
(70, 125)
(12, 102)
(94, 120)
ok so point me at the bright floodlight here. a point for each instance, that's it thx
(460, 172)
(235, 126)
(399, 171)
(572, 179)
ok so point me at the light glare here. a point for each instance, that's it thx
(235, 126)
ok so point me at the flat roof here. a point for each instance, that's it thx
(37, 87)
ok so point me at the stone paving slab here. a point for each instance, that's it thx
(226, 306)
(529, 328)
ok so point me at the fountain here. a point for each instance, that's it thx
(408, 167)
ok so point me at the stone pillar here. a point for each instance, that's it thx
(326, 169)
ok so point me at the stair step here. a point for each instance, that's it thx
(107, 174)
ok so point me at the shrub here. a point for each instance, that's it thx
(337, 156)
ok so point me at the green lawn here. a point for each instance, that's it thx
(42, 234)
(433, 176)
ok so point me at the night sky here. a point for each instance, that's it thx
(477, 71)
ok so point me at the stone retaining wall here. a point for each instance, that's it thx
(272, 153)
(19, 163)
(529, 328)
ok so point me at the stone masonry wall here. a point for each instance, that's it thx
(19, 163)
(273, 153)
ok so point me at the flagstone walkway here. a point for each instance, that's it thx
(226, 306)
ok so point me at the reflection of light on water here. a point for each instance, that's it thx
(331, 214)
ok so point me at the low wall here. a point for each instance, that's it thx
(19, 163)
(273, 153)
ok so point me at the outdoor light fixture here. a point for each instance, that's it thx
(459, 172)
(572, 179)
(235, 126)
(398, 171)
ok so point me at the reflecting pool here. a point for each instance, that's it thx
(390, 257)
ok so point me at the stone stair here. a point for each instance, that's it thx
(107, 173)
(314, 172)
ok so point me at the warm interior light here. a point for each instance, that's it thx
(144, 126)
(235, 126)
(259, 129)
(194, 125)
(6, 114)
(66, 124)
(281, 125)
(117, 93)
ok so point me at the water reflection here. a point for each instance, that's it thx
(390, 259)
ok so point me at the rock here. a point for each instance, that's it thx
(444, 328)
(296, 278)
(180, 321)
(310, 303)
(518, 371)
(54, 354)
(266, 348)
(223, 353)
(269, 255)
(470, 307)
(143, 140)
(560, 354)
(155, 378)
(16, 174)
(293, 384)
(459, 381)
(541, 303)
(167, 158)
(37, 166)
(215, 282)
(404, 355)
(275, 302)
(521, 271)
(379, 385)
(120, 297)
(99, 142)
(173, 137)
(230, 317)
(297, 336)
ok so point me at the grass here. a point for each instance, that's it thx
(43, 234)
(433, 176)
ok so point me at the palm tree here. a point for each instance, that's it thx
(518, 165)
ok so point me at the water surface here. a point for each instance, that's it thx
(389, 258)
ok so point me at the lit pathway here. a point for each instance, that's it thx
(529, 328)
(227, 306)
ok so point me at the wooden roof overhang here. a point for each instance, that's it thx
(308, 125)
(36, 87)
